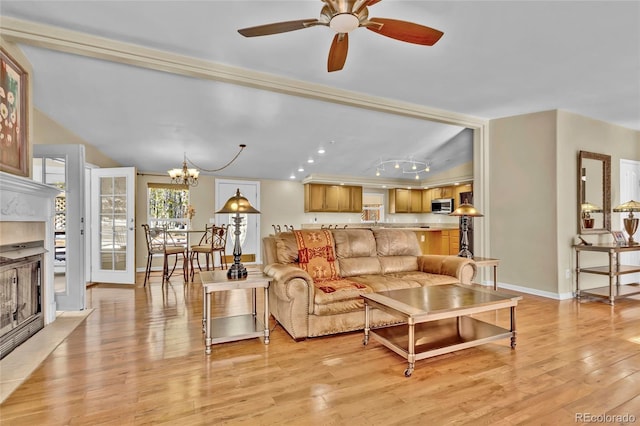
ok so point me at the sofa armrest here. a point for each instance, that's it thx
(291, 294)
(290, 282)
(462, 268)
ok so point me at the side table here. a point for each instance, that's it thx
(487, 261)
(238, 327)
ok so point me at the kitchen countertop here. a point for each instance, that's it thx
(407, 226)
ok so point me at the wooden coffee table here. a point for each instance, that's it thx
(436, 319)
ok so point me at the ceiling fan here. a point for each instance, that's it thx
(344, 16)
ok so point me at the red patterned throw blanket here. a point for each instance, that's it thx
(317, 258)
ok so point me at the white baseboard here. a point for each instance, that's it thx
(534, 291)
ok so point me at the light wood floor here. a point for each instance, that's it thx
(139, 359)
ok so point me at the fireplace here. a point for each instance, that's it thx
(20, 293)
(27, 236)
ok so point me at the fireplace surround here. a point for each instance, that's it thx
(26, 216)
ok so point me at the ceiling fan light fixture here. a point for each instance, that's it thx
(344, 22)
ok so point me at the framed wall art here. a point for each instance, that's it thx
(619, 238)
(13, 116)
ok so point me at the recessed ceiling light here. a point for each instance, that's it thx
(310, 160)
(321, 151)
(292, 176)
(300, 169)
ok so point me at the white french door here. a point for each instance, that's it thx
(113, 225)
(629, 190)
(63, 166)
(250, 226)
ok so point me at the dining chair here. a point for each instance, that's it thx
(161, 243)
(214, 240)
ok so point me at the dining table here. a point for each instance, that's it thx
(182, 236)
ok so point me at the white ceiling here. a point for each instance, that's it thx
(496, 59)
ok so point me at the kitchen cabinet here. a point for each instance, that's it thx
(445, 241)
(429, 241)
(403, 200)
(427, 197)
(332, 198)
(442, 192)
(452, 244)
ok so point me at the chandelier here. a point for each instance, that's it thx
(185, 175)
(409, 166)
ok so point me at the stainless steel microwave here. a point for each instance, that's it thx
(442, 206)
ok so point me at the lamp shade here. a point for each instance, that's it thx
(629, 206)
(591, 208)
(466, 209)
(238, 204)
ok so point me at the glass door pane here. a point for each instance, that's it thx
(113, 223)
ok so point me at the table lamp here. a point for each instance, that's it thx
(586, 209)
(465, 211)
(630, 222)
(237, 204)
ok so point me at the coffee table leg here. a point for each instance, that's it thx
(366, 324)
(411, 356)
(513, 327)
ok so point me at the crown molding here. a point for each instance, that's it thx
(79, 43)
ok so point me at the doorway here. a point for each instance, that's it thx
(250, 224)
(63, 166)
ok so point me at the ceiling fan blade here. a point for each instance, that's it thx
(278, 27)
(338, 52)
(406, 31)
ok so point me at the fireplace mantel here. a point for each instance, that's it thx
(25, 206)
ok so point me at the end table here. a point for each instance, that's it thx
(487, 261)
(232, 328)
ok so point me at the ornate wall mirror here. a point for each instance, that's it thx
(594, 193)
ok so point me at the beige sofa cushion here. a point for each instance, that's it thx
(391, 264)
(354, 243)
(286, 247)
(396, 242)
(356, 252)
(353, 266)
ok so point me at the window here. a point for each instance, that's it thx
(372, 207)
(167, 205)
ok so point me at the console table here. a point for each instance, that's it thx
(613, 270)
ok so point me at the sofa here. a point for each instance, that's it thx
(308, 300)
